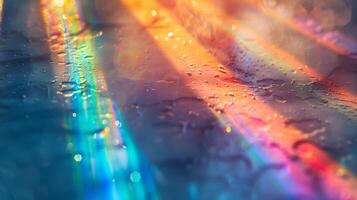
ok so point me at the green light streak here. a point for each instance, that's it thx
(105, 158)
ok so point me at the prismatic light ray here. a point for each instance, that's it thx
(105, 158)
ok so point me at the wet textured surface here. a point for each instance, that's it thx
(178, 99)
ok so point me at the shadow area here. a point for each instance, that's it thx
(190, 156)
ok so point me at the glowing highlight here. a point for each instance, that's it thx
(104, 152)
(274, 132)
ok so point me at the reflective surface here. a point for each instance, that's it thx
(178, 99)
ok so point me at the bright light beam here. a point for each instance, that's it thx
(180, 43)
(104, 152)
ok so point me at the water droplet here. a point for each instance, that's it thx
(154, 13)
(228, 129)
(279, 99)
(221, 69)
(135, 177)
(341, 172)
(119, 144)
(170, 34)
(77, 157)
(118, 123)
(230, 94)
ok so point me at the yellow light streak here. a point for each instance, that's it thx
(188, 47)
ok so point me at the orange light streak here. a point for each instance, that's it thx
(292, 63)
(1, 11)
(276, 131)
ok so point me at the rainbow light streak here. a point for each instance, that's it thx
(311, 156)
(107, 163)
